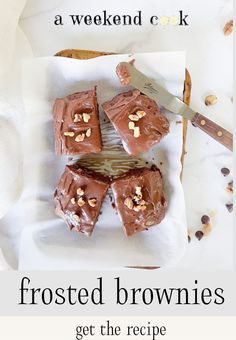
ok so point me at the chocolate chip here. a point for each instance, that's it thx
(230, 207)
(199, 235)
(231, 184)
(189, 239)
(225, 171)
(205, 219)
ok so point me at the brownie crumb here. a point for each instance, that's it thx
(199, 235)
(205, 219)
(230, 207)
(225, 172)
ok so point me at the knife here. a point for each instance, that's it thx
(129, 75)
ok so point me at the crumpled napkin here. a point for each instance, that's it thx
(14, 47)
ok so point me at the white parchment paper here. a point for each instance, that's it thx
(46, 243)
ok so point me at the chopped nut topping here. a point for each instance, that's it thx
(92, 202)
(138, 191)
(211, 100)
(73, 200)
(134, 118)
(136, 132)
(141, 114)
(69, 134)
(228, 29)
(80, 192)
(137, 208)
(76, 218)
(131, 125)
(77, 117)
(86, 117)
(80, 137)
(81, 202)
(88, 132)
(129, 203)
(143, 207)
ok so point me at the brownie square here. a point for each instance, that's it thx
(137, 119)
(76, 124)
(139, 199)
(79, 196)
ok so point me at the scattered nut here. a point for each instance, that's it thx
(225, 172)
(141, 114)
(136, 132)
(211, 100)
(228, 28)
(230, 188)
(86, 117)
(129, 203)
(81, 202)
(134, 118)
(92, 202)
(206, 229)
(69, 134)
(205, 219)
(80, 192)
(88, 132)
(199, 235)
(131, 125)
(77, 118)
(80, 137)
(73, 200)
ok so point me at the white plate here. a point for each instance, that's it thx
(45, 237)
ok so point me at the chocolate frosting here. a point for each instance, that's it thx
(151, 184)
(94, 187)
(64, 113)
(153, 126)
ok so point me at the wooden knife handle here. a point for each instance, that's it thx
(214, 130)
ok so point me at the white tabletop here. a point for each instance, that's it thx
(210, 63)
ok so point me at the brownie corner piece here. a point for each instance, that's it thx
(137, 119)
(139, 199)
(79, 196)
(76, 124)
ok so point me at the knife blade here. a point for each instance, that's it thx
(172, 103)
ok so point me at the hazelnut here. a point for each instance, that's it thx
(129, 203)
(141, 114)
(228, 28)
(206, 229)
(211, 100)
(136, 132)
(88, 132)
(76, 218)
(73, 200)
(81, 202)
(92, 202)
(80, 192)
(69, 134)
(131, 125)
(80, 137)
(134, 118)
(77, 118)
(86, 117)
